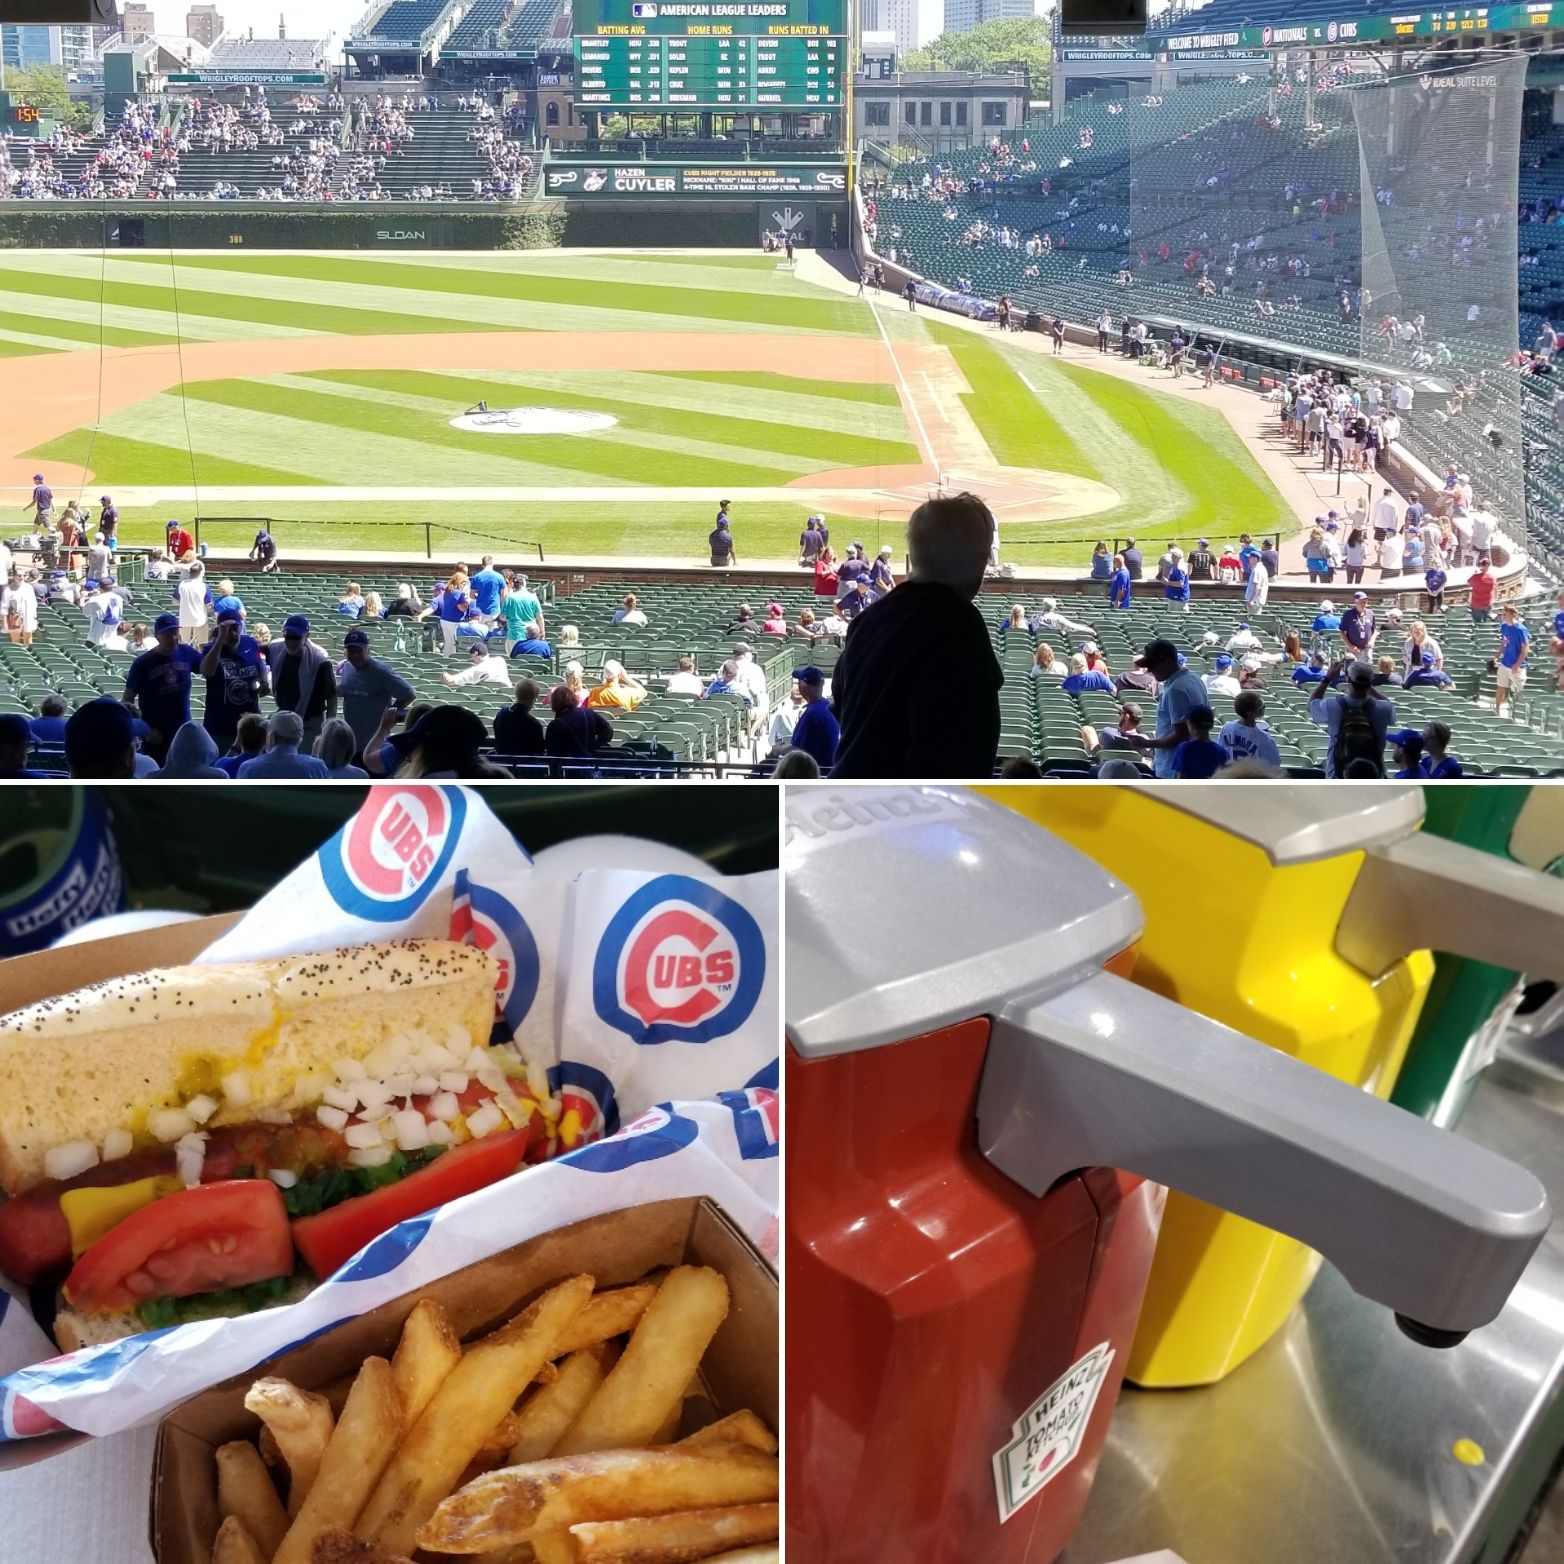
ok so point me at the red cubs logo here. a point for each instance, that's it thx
(679, 968)
(388, 858)
(680, 961)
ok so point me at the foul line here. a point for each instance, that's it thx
(929, 454)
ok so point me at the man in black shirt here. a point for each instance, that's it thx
(516, 730)
(917, 684)
(1202, 563)
(1132, 559)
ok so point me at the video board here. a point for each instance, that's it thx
(710, 54)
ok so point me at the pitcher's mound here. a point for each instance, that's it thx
(532, 420)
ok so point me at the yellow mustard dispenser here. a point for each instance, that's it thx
(1247, 894)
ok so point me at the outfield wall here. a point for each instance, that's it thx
(268, 225)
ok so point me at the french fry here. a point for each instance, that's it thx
(301, 1422)
(668, 1429)
(674, 1539)
(473, 1398)
(501, 1437)
(337, 1545)
(428, 1351)
(234, 1545)
(740, 1427)
(555, 1548)
(761, 1555)
(548, 1412)
(609, 1314)
(362, 1444)
(522, 1503)
(247, 1494)
(270, 1454)
(665, 1349)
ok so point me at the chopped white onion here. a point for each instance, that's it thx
(454, 1080)
(236, 1088)
(436, 1057)
(340, 1097)
(66, 1161)
(201, 1108)
(170, 1124)
(189, 1157)
(444, 1106)
(402, 1084)
(458, 1039)
(477, 1059)
(412, 1131)
(370, 1156)
(537, 1080)
(425, 1085)
(117, 1144)
(347, 1069)
(332, 1118)
(274, 1116)
(484, 1121)
(373, 1094)
(441, 1134)
(362, 1136)
(551, 1107)
(283, 1178)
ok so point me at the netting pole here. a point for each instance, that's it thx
(1308, 89)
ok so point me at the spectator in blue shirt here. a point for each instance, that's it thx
(1199, 757)
(282, 760)
(1248, 736)
(1248, 553)
(1428, 672)
(454, 607)
(1080, 680)
(1102, 565)
(817, 731)
(1327, 618)
(351, 603)
(227, 601)
(48, 727)
(1119, 590)
(158, 686)
(1406, 753)
(855, 599)
(1437, 764)
(16, 740)
(488, 588)
(1311, 672)
(1514, 650)
(1434, 584)
(1176, 583)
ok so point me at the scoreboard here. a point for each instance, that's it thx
(710, 54)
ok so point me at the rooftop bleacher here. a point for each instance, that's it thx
(268, 54)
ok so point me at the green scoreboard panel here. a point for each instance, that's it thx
(710, 54)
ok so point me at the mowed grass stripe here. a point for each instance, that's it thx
(823, 313)
(9, 348)
(1198, 449)
(599, 458)
(1018, 427)
(158, 324)
(612, 270)
(81, 332)
(765, 407)
(341, 320)
(117, 460)
(877, 393)
(678, 427)
(428, 419)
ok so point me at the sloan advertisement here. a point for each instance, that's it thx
(746, 180)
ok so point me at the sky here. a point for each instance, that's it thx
(306, 18)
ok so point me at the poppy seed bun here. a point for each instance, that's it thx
(100, 1059)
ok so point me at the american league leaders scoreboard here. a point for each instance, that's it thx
(710, 54)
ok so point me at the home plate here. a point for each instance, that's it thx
(532, 420)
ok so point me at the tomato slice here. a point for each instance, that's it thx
(198, 1240)
(333, 1237)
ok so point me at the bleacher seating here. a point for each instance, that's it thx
(483, 26)
(407, 19)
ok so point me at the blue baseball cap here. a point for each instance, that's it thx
(1428, 657)
(296, 624)
(809, 674)
(1402, 737)
(357, 638)
(164, 623)
(230, 616)
(14, 728)
(1224, 661)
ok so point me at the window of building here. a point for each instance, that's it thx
(993, 113)
(944, 112)
(551, 113)
(927, 117)
(961, 115)
(910, 113)
(877, 113)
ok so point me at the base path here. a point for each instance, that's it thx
(52, 395)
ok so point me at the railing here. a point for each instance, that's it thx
(450, 537)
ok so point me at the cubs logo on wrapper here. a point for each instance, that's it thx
(483, 917)
(383, 864)
(589, 1108)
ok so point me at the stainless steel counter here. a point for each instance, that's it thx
(1337, 1442)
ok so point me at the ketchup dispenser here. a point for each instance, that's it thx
(981, 1111)
(1305, 917)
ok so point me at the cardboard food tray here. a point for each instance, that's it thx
(740, 1368)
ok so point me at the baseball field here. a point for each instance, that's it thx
(626, 393)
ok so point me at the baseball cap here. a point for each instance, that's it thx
(886, 550)
(809, 674)
(1359, 674)
(1428, 657)
(450, 727)
(97, 730)
(37, 477)
(1360, 597)
(230, 616)
(296, 624)
(173, 526)
(90, 586)
(1405, 736)
(164, 623)
(1327, 607)
(1224, 661)
(353, 638)
(773, 609)
(14, 729)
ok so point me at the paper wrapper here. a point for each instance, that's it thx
(665, 987)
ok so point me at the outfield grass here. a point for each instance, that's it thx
(1181, 469)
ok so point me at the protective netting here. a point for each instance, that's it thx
(1439, 156)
